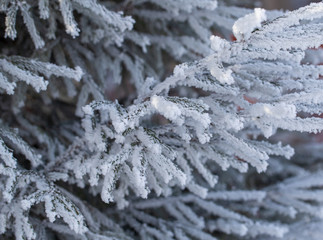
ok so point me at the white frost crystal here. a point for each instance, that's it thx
(244, 26)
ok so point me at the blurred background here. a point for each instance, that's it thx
(286, 4)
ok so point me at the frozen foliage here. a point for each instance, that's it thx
(243, 27)
(154, 119)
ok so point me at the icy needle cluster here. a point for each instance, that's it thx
(152, 119)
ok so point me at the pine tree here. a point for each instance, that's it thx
(150, 119)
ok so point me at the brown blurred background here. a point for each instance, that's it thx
(286, 4)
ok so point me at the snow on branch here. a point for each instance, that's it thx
(15, 69)
(14, 213)
(167, 159)
(113, 23)
(149, 156)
